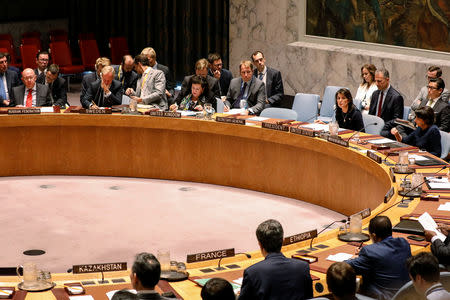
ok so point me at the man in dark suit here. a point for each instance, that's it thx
(217, 71)
(8, 80)
(383, 263)
(42, 59)
(145, 275)
(104, 92)
(271, 78)
(201, 69)
(32, 94)
(91, 77)
(56, 84)
(125, 73)
(248, 88)
(386, 102)
(170, 83)
(440, 249)
(275, 277)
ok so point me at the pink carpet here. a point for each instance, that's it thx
(81, 220)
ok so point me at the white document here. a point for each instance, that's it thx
(6, 292)
(380, 141)
(238, 281)
(258, 119)
(48, 109)
(234, 111)
(187, 113)
(439, 185)
(340, 256)
(437, 180)
(444, 207)
(428, 223)
(82, 297)
(417, 157)
(110, 294)
(317, 126)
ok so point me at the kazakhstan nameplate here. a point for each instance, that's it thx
(94, 268)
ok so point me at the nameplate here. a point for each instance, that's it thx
(273, 126)
(337, 140)
(94, 268)
(217, 254)
(24, 111)
(380, 147)
(96, 111)
(392, 174)
(389, 195)
(299, 237)
(302, 131)
(166, 114)
(373, 156)
(230, 120)
(364, 213)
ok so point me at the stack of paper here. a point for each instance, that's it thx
(445, 207)
(428, 223)
(339, 256)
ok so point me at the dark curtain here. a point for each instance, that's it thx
(180, 31)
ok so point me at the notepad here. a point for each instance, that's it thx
(380, 141)
(339, 256)
(444, 207)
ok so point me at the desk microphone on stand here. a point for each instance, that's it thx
(219, 268)
(371, 124)
(325, 228)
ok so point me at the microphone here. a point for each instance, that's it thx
(219, 268)
(371, 124)
(326, 227)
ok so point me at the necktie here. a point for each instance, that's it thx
(2, 88)
(260, 76)
(380, 104)
(241, 95)
(430, 102)
(29, 98)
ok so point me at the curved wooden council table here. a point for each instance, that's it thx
(304, 168)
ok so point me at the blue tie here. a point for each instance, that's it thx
(261, 75)
(2, 88)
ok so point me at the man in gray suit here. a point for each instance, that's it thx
(247, 88)
(32, 94)
(150, 88)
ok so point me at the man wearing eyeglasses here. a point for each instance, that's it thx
(31, 94)
(42, 59)
(217, 71)
(432, 73)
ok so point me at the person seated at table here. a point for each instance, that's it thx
(275, 277)
(104, 92)
(423, 269)
(426, 136)
(197, 98)
(145, 275)
(217, 289)
(382, 264)
(346, 113)
(341, 281)
(440, 249)
(124, 295)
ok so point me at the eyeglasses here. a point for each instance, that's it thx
(432, 87)
(28, 78)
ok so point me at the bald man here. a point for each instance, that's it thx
(31, 94)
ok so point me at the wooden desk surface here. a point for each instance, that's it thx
(304, 168)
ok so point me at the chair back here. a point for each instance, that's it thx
(306, 106)
(119, 47)
(406, 111)
(372, 129)
(61, 53)
(89, 53)
(445, 143)
(279, 113)
(59, 35)
(407, 292)
(32, 41)
(28, 53)
(328, 101)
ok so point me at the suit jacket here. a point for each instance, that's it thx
(95, 93)
(277, 277)
(42, 95)
(153, 91)
(441, 249)
(392, 105)
(12, 80)
(224, 81)
(256, 94)
(443, 119)
(423, 94)
(58, 90)
(86, 82)
(383, 267)
(152, 295)
(129, 80)
(274, 86)
(170, 83)
(438, 106)
(213, 93)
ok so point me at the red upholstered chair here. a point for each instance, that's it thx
(59, 35)
(28, 53)
(86, 36)
(9, 46)
(89, 53)
(119, 47)
(32, 41)
(61, 56)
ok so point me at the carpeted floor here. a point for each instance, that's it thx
(79, 220)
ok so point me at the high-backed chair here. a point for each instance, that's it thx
(63, 58)
(445, 144)
(279, 113)
(59, 35)
(32, 41)
(328, 103)
(306, 106)
(89, 53)
(28, 53)
(9, 45)
(119, 47)
(370, 119)
(406, 111)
